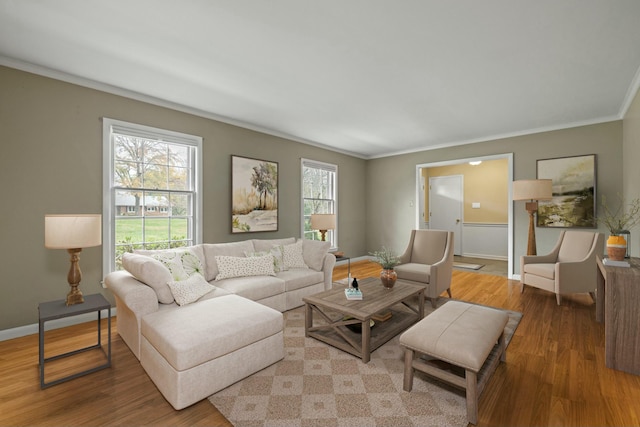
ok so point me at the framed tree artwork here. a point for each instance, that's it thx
(254, 195)
(574, 192)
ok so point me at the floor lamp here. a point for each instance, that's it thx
(532, 190)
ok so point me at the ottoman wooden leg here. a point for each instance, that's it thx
(408, 370)
(472, 396)
(502, 348)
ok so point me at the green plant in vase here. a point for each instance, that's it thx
(618, 220)
(387, 259)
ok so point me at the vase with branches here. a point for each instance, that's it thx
(618, 221)
(387, 259)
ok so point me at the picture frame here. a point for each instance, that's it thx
(574, 192)
(254, 195)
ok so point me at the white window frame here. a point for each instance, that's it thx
(308, 163)
(110, 126)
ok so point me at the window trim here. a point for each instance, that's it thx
(329, 167)
(108, 194)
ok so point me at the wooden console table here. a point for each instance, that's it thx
(617, 305)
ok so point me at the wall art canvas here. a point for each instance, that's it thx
(254, 195)
(574, 192)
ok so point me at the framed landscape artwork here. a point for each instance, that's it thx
(254, 195)
(574, 190)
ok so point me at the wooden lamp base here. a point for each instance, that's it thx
(532, 208)
(75, 275)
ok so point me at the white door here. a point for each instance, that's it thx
(445, 207)
(423, 221)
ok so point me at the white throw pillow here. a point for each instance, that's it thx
(275, 252)
(181, 264)
(231, 266)
(292, 255)
(150, 272)
(189, 290)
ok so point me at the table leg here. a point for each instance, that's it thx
(600, 295)
(308, 319)
(366, 340)
(41, 351)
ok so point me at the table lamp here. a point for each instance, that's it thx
(73, 232)
(323, 222)
(532, 190)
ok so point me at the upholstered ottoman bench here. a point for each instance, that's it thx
(464, 335)
(196, 350)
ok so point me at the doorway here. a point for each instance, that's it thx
(422, 218)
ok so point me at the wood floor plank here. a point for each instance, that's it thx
(555, 372)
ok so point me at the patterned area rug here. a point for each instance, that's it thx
(318, 385)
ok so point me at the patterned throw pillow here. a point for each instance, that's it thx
(275, 252)
(278, 260)
(189, 290)
(292, 255)
(232, 266)
(181, 264)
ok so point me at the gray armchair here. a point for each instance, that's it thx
(569, 268)
(428, 260)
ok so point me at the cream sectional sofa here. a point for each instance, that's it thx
(202, 318)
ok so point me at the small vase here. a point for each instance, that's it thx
(388, 277)
(616, 248)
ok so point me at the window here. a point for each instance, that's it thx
(319, 195)
(151, 190)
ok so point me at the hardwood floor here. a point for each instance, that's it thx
(554, 374)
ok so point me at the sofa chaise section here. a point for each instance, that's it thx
(216, 350)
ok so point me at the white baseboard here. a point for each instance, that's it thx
(22, 331)
(486, 256)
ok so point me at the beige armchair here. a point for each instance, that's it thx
(428, 260)
(569, 268)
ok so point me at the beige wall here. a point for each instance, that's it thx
(391, 180)
(631, 162)
(486, 183)
(51, 162)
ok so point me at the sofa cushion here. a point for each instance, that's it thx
(416, 272)
(292, 255)
(543, 270)
(150, 272)
(299, 278)
(228, 249)
(253, 287)
(266, 244)
(189, 290)
(232, 266)
(198, 333)
(313, 252)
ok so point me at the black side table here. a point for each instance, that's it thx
(348, 258)
(57, 310)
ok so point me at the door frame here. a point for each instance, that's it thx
(509, 157)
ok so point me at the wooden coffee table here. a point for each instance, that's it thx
(404, 300)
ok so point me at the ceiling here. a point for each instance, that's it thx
(370, 78)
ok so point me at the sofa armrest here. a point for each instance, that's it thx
(137, 296)
(328, 264)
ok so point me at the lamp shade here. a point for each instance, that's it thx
(532, 189)
(323, 221)
(72, 231)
